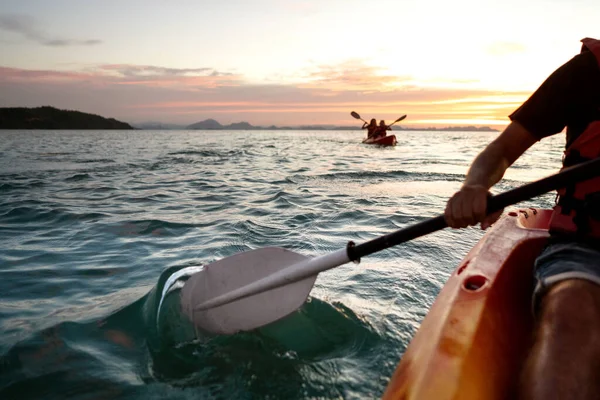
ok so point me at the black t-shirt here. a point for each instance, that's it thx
(570, 97)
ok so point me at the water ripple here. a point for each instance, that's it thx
(88, 238)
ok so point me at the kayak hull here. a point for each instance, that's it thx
(474, 339)
(382, 141)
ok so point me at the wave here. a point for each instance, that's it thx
(399, 175)
(150, 227)
(7, 187)
(78, 177)
(210, 153)
(71, 356)
(54, 154)
(202, 153)
(21, 215)
(95, 160)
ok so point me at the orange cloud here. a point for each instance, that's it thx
(326, 94)
(128, 75)
(351, 75)
(15, 74)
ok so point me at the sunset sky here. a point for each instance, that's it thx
(287, 62)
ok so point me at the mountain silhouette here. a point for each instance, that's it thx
(207, 124)
(47, 117)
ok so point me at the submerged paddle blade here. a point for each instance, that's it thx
(239, 270)
(355, 115)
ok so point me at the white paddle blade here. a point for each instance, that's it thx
(239, 270)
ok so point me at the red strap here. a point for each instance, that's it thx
(584, 142)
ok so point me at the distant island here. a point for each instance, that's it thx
(159, 126)
(52, 118)
(48, 117)
(211, 124)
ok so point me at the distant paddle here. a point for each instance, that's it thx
(398, 120)
(357, 116)
(251, 289)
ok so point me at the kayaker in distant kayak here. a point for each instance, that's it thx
(382, 129)
(565, 358)
(371, 127)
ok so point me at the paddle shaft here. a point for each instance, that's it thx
(398, 120)
(310, 267)
(576, 173)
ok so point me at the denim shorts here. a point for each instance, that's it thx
(564, 260)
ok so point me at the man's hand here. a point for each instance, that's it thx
(467, 207)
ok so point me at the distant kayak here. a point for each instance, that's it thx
(474, 339)
(382, 141)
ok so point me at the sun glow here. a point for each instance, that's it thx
(432, 61)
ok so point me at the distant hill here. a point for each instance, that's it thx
(52, 118)
(158, 126)
(240, 126)
(208, 124)
(211, 124)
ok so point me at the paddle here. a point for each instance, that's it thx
(251, 289)
(357, 116)
(398, 120)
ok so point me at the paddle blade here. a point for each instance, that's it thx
(355, 115)
(398, 120)
(233, 272)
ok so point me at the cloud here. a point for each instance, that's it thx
(151, 70)
(352, 74)
(136, 93)
(185, 79)
(28, 28)
(64, 43)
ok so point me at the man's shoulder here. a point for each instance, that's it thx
(586, 63)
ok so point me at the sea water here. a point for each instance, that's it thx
(92, 224)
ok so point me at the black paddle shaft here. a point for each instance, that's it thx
(578, 173)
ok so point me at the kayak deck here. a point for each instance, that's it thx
(382, 141)
(473, 341)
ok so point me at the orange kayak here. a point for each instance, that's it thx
(382, 141)
(473, 341)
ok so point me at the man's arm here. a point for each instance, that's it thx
(468, 206)
(489, 166)
(572, 87)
